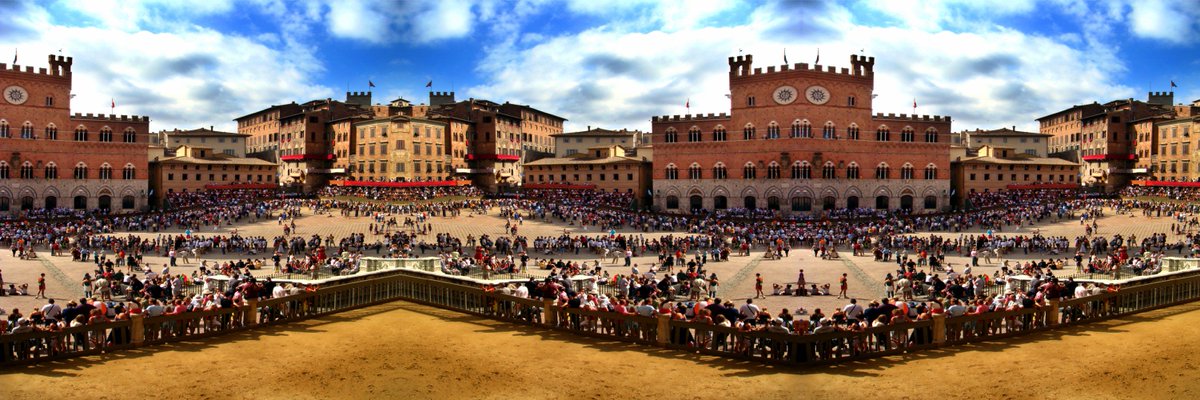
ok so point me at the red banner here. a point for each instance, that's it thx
(242, 186)
(399, 184)
(1043, 186)
(1165, 183)
(557, 186)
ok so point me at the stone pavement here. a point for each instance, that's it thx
(865, 276)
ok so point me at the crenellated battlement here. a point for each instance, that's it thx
(690, 117)
(1151, 93)
(742, 66)
(348, 94)
(441, 93)
(110, 117)
(59, 67)
(914, 117)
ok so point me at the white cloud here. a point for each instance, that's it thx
(187, 77)
(1172, 20)
(984, 78)
(380, 21)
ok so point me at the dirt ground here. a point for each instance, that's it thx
(401, 350)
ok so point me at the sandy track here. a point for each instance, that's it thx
(402, 350)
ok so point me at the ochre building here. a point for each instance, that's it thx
(801, 139)
(50, 158)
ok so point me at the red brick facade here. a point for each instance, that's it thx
(801, 139)
(50, 158)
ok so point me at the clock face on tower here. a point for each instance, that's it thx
(817, 95)
(785, 95)
(16, 95)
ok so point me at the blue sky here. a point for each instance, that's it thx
(987, 63)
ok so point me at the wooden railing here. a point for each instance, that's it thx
(661, 330)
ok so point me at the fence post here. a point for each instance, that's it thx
(137, 329)
(251, 312)
(549, 316)
(664, 329)
(1052, 315)
(939, 329)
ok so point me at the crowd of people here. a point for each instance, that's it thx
(678, 283)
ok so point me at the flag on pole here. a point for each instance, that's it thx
(14, 56)
(688, 104)
(1172, 82)
(818, 57)
(370, 84)
(430, 84)
(113, 103)
(785, 56)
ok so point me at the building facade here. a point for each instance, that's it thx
(603, 168)
(800, 140)
(1032, 143)
(566, 144)
(997, 169)
(1103, 138)
(229, 143)
(537, 130)
(51, 158)
(195, 168)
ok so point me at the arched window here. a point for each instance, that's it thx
(801, 129)
(829, 131)
(801, 170)
(828, 203)
(130, 136)
(719, 171)
(27, 130)
(829, 171)
(930, 202)
(852, 202)
(772, 203)
(81, 171)
(719, 134)
(906, 134)
(883, 134)
(773, 130)
(931, 171)
(750, 203)
(670, 136)
(80, 202)
(881, 202)
(4, 132)
(27, 170)
(694, 134)
(748, 171)
(694, 172)
(852, 132)
(51, 132)
(5, 204)
(882, 171)
(672, 202)
(672, 172)
(127, 202)
(105, 171)
(852, 170)
(748, 132)
(720, 202)
(931, 135)
(906, 202)
(773, 170)
(4, 173)
(105, 134)
(906, 171)
(802, 203)
(695, 202)
(81, 134)
(51, 171)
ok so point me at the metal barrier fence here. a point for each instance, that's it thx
(660, 330)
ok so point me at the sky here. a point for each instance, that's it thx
(611, 64)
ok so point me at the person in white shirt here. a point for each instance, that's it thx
(749, 310)
(853, 310)
(51, 310)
